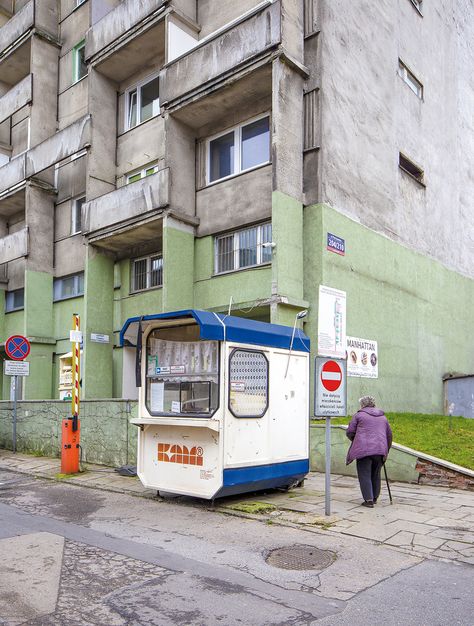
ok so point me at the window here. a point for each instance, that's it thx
(80, 67)
(182, 373)
(147, 171)
(248, 383)
(238, 150)
(142, 102)
(410, 79)
(14, 300)
(410, 168)
(68, 287)
(79, 2)
(147, 272)
(76, 215)
(243, 248)
(418, 4)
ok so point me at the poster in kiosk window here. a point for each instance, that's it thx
(216, 414)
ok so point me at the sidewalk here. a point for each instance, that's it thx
(424, 521)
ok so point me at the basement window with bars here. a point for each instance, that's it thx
(142, 102)
(410, 79)
(411, 168)
(68, 287)
(244, 248)
(14, 300)
(147, 272)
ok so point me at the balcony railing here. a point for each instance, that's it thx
(63, 144)
(128, 203)
(16, 98)
(222, 53)
(40, 14)
(14, 246)
(116, 24)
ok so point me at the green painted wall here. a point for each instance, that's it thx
(178, 268)
(245, 286)
(38, 327)
(98, 318)
(419, 312)
(13, 325)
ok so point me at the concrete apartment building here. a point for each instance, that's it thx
(149, 149)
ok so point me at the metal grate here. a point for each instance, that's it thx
(300, 557)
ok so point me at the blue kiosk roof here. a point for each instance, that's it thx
(224, 328)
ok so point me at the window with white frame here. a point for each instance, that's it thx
(243, 248)
(142, 102)
(14, 300)
(237, 150)
(138, 175)
(410, 79)
(68, 287)
(76, 215)
(147, 272)
(79, 61)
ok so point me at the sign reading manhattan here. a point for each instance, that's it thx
(362, 358)
(330, 397)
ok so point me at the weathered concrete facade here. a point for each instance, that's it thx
(146, 148)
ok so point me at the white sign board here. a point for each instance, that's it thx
(332, 322)
(98, 338)
(16, 368)
(330, 388)
(362, 358)
(75, 336)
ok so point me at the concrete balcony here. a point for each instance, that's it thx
(38, 14)
(60, 146)
(127, 38)
(222, 57)
(127, 216)
(14, 246)
(16, 98)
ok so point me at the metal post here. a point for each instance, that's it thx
(328, 466)
(15, 397)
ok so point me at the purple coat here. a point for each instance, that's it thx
(370, 434)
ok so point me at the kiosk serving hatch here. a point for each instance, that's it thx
(223, 403)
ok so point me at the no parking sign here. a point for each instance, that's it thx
(17, 347)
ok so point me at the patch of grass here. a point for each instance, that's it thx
(253, 507)
(432, 435)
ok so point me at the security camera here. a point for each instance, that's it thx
(269, 244)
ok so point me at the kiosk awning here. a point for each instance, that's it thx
(223, 328)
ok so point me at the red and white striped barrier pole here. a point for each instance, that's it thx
(71, 428)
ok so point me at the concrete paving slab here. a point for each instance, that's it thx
(31, 570)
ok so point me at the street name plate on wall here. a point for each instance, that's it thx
(16, 368)
(330, 388)
(336, 244)
(98, 338)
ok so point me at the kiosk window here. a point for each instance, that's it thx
(182, 375)
(248, 383)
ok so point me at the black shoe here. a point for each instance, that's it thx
(368, 503)
(375, 500)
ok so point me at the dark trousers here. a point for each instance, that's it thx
(368, 472)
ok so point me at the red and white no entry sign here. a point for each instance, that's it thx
(331, 376)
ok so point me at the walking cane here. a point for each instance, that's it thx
(388, 486)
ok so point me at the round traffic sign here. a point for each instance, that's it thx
(331, 376)
(17, 347)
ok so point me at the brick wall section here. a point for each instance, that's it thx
(432, 474)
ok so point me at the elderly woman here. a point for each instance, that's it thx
(371, 438)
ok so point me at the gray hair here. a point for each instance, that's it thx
(366, 401)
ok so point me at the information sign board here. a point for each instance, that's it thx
(16, 368)
(330, 387)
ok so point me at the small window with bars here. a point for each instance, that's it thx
(244, 248)
(147, 272)
(411, 168)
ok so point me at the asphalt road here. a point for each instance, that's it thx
(77, 556)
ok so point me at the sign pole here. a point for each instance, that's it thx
(328, 467)
(15, 397)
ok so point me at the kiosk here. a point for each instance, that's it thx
(223, 403)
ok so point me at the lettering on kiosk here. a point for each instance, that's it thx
(182, 455)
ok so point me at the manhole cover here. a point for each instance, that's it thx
(300, 557)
